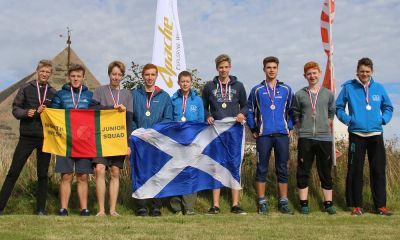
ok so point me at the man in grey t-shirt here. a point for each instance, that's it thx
(112, 96)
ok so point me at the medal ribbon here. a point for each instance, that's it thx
(184, 103)
(41, 101)
(314, 104)
(272, 99)
(366, 90)
(148, 100)
(112, 96)
(73, 97)
(227, 90)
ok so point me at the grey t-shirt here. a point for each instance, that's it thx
(103, 96)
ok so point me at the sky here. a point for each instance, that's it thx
(247, 30)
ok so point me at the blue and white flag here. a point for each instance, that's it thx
(178, 158)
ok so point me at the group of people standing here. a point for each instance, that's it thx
(272, 111)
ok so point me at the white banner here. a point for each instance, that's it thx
(168, 51)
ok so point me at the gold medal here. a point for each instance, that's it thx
(148, 113)
(183, 119)
(223, 105)
(272, 107)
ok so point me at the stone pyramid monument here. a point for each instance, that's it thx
(9, 126)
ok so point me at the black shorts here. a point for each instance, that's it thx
(117, 161)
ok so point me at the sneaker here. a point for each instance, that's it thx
(85, 212)
(189, 212)
(330, 210)
(214, 210)
(178, 213)
(356, 211)
(156, 212)
(305, 210)
(263, 208)
(285, 209)
(237, 210)
(63, 212)
(41, 212)
(142, 212)
(384, 211)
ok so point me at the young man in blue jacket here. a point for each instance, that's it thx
(74, 95)
(369, 107)
(270, 121)
(151, 105)
(187, 106)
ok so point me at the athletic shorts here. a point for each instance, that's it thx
(117, 161)
(73, 165)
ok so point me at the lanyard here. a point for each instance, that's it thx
(366, 90)
(184, 103)
(314, 104)
(41, 100)
(148, 100)
(73, 97)
(227, 90)
(112, 96)
(272, 99)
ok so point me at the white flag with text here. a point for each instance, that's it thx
(168, 51)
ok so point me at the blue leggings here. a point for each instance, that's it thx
(280, 144)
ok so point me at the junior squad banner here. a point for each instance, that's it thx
(84, 133)
(168, 51)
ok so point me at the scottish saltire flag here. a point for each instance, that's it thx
(178, 158)
(84, 133)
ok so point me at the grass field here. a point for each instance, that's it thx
(19, 223)
(225, 226)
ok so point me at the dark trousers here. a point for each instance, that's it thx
(375, 148)
(22, 152)
(264, 145)
(155, 203)
(308, 150)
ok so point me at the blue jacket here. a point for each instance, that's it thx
(359, 118)
(63, 98)
(194, 107)
(261, 118)
(160, 108)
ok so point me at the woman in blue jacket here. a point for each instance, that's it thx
(187, 106)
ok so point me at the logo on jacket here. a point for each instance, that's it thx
(376, 98)
(193, 108)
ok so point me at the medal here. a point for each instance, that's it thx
(272, 99)
(116, 101)
(184, 103)
(41, 101)
(224, 105)
(314, 103)
(227, 92)
(148, 104)
(76, 104)
(366, 90)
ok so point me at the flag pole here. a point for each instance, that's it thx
(330, 59)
